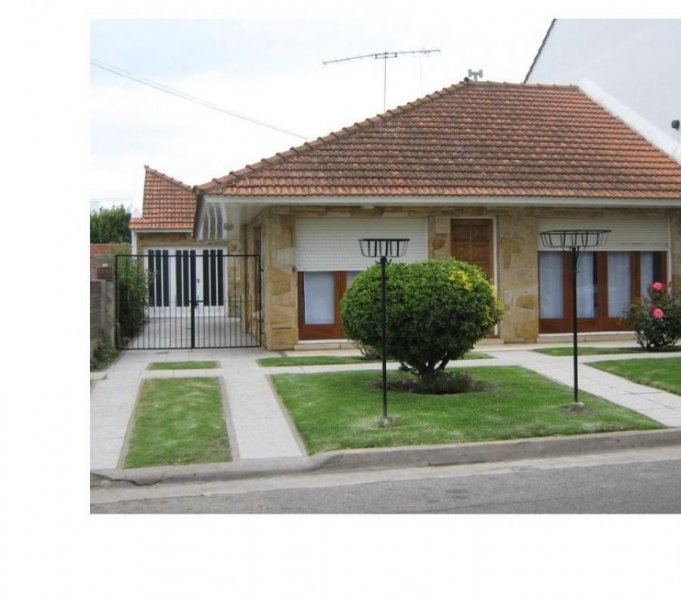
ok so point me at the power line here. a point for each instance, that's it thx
(168, 90)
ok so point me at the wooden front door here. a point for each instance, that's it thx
(472, 242)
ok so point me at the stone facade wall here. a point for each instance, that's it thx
(280, 326)
(516, 263)
(518, 275)
(102, 293)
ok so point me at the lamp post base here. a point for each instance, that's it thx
(577, 406)
(386, 422)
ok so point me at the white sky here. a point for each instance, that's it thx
(270, 69)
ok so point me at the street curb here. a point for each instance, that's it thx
(391, 458)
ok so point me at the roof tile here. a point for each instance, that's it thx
(473, 138)
(168, 204)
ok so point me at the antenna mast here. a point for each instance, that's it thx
(384, 56)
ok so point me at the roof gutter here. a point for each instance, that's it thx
(429, 201)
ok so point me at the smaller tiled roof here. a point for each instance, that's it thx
(168, 205)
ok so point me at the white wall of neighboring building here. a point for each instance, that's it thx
(629, 66)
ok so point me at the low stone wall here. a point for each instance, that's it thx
(101, 311)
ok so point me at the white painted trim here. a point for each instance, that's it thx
(669, 250)
(434, 201)
(147, 231)
(653, 134)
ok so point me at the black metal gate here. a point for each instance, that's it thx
(188, 298)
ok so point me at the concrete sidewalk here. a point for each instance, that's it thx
(259, 427)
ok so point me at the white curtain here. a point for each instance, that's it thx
(619, 283)
(319, 298)
(551, 285)
(586, 290)
(646, 272)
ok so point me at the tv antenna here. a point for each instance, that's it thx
(382, 56)
(475, 74)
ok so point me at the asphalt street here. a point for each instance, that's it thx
(644, 481)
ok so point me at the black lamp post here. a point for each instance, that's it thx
(574, 240)
(384, 249)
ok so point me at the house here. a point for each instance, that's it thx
(629, 66)
(475, 171)
(200, 292)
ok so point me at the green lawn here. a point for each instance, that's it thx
(588, 351)
(309, 361)
(341, 410)
(187, 364)
(177, 422)
(663, 373)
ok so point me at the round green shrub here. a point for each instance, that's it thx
(436, 312)
(657, 318)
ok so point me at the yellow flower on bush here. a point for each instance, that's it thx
(460, 277)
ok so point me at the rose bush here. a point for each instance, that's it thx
(657, 318)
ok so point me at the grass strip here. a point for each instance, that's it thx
(341, 410)
(662, 373)
(178, 422)
(187, 364)
(310, 361)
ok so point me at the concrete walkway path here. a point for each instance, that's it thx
(260, 428)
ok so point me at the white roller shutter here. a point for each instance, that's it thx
(331, 244)
(627, 234)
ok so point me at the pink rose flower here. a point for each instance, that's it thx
(657, 313)
(658, 286)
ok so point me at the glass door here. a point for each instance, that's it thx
(607, 283)
(319, 296)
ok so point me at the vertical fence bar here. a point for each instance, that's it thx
(173, 317)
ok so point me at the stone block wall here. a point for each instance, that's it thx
(516, 258)
(102, 311)
(280, 327)
(675, 231)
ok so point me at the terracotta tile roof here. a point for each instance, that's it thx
(168, 204)
(471, 139)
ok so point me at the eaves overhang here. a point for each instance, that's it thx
(158, 230)
(501, 201)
